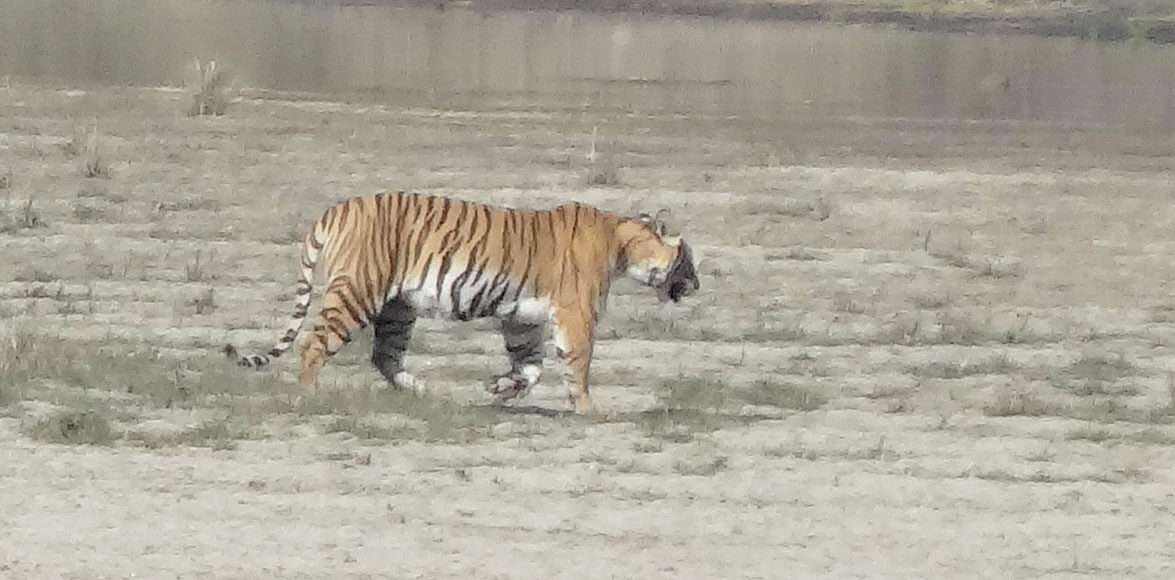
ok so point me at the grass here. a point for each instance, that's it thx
(205, 303)
(25, 218)
(705, 467)
(782, 396)
(603, 174)
(367, 429)
(217, 434)
(72, 427)
(93, 163)
(1090, 433)
(37, 367)
(195, 271)
(798, 253)
(1019, 404)
(1096, 374)
(778, 208)
(998, 364)
(692, 393)
(208, 89)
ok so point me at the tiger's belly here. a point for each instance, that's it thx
(465, 305)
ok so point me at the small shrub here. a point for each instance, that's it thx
(25, 219)
(844, 302)
(995, 365)
(88, 214)
(694, 393)
(73, 427)
(1095, 374)
(194, 270)
(93, 164)
(1014, 403)
(364, 429)
(209, 89)
(704, 467)
(783, 396)
(205, 303)
(603, 175)
(824, 208)
(1090, 433)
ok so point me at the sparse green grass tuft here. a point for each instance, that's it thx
(603, 174)
(692, 393)
(93, 164)
(774, 208)
(205, 303)
(364, 428)
(1014, 403)
(429, 418)
(194, 271)
(72, 427)
(798, 253)
(1096, 374)
(782, 396)
(217, 434)
(993, 365)
(1090, 433)
(26, 218)
(705, 467)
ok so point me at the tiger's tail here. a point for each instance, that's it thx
(312, 248)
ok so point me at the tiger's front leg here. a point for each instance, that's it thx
(574, 335)
(524, 344)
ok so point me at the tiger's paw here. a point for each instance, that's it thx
(405, 381)
(512, 385)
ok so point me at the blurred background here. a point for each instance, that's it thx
(1035, 62)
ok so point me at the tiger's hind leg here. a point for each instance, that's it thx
(393, 332)
(524, 344)
(342, 313)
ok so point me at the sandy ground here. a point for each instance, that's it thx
(921, 350)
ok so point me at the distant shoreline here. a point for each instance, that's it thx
(1088, 19)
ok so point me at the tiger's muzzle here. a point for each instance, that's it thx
(682, 279)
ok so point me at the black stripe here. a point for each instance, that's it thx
(475, 304)
(446, 260)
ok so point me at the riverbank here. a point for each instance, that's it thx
(1121, 20)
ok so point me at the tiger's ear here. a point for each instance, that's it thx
(664, 225)
(650, 222)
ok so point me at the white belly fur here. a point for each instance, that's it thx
(428, 303)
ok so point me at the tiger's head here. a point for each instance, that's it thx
(656, 256)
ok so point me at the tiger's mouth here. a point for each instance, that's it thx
(682, 280)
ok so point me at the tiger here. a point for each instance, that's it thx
(392, 257)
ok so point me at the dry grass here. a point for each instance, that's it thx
(998, 364)
(72, 427)
(208, 88)
(217, 434)
(25, 217)
(94, 164)
(1018, 404)
(782, 395)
